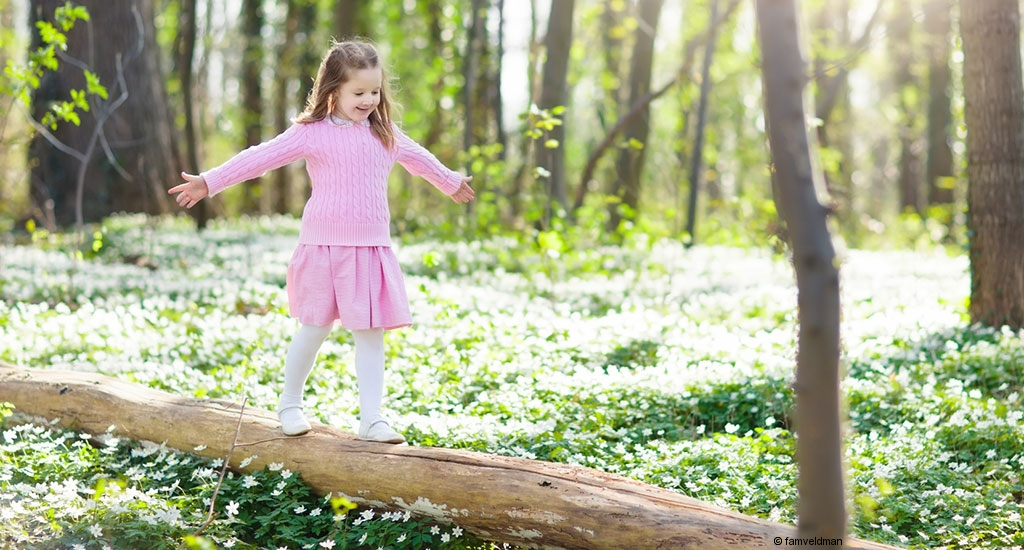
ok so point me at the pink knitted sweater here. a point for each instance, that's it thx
(348, 168)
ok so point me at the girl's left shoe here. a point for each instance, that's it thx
(293, 422)
(381, 432)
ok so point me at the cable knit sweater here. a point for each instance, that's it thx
(348, 167)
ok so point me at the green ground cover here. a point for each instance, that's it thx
(664, 364)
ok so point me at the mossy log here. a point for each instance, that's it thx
(530, 503)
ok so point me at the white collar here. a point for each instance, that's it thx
(344, 122)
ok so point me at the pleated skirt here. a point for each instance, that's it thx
(359, 287)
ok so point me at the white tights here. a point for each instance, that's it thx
(369, 369)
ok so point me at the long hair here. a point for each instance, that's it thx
(335, 70)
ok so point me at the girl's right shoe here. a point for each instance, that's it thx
(293, 422)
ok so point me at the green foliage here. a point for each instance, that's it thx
(668, 365)
(20, 80)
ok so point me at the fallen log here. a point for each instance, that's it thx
(530, 503)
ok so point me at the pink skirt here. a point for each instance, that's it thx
(360, 286)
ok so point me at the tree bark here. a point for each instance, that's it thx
(536, 504)
(901, 51)
(252, 93)
(554, 93)
(349, 22)
(697, 159)
(140, 132)
(939, 169)
(822, 505)
(631, 159)
(283, 102)
(994, 111)
(185, 47)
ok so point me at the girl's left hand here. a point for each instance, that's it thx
(465, 193)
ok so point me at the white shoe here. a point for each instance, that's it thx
(381, 432)
(293, 422)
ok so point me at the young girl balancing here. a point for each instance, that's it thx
(343, 269)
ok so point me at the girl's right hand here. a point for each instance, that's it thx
(192, 191)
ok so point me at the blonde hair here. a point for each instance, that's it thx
(335, 70)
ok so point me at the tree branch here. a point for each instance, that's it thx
(638, 106)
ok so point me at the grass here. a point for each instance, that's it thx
(663, 364)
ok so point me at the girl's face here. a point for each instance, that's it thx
(359, 96)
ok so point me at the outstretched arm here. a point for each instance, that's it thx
(465, 193)
(192, 191)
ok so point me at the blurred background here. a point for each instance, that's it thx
(607, 116)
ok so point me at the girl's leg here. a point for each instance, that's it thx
(297, 365)
(370, 375)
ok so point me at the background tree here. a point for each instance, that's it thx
(902, 49)
(349, 19)
(184, 55)
(822, 505)
(252, 92)
(631, 158)
(140, 133)
(994, 97)
(553, 94)
(697, 156)
(939, 170)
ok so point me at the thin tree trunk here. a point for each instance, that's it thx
(822, 505)
(349, 20)
(994, 110)
(901, 50)
(286, 58)
(471, 71)
(634, 110)
(939, 171)
(505, 499)
(697, 159)
(630, 164)
(185, 50)
(555, 93)
(497, 102)
(252, 93)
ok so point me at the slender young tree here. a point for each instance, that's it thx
(283, 102)
(822, 505)
(994, 110)
(901, 49)
(252, 92)
(555, 93)
(349, 19)
(697, 158)
(631, 158)
(185, 48)
(939, 170)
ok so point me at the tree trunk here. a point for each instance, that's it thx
(939, 171)
(495, 95)
(537, 504)
(185, 47)
(471, 71)
(252, 93)
(994, 110)
(554, 93)
(349, 22)
(631, 158)
(140, 133)
(697, 159)
(901, 51)
(822, 505)
(283, 102)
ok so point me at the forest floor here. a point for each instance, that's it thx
(663, 364)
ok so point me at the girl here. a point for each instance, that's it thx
(343, 268)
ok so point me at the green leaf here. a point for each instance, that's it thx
(93, 86)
